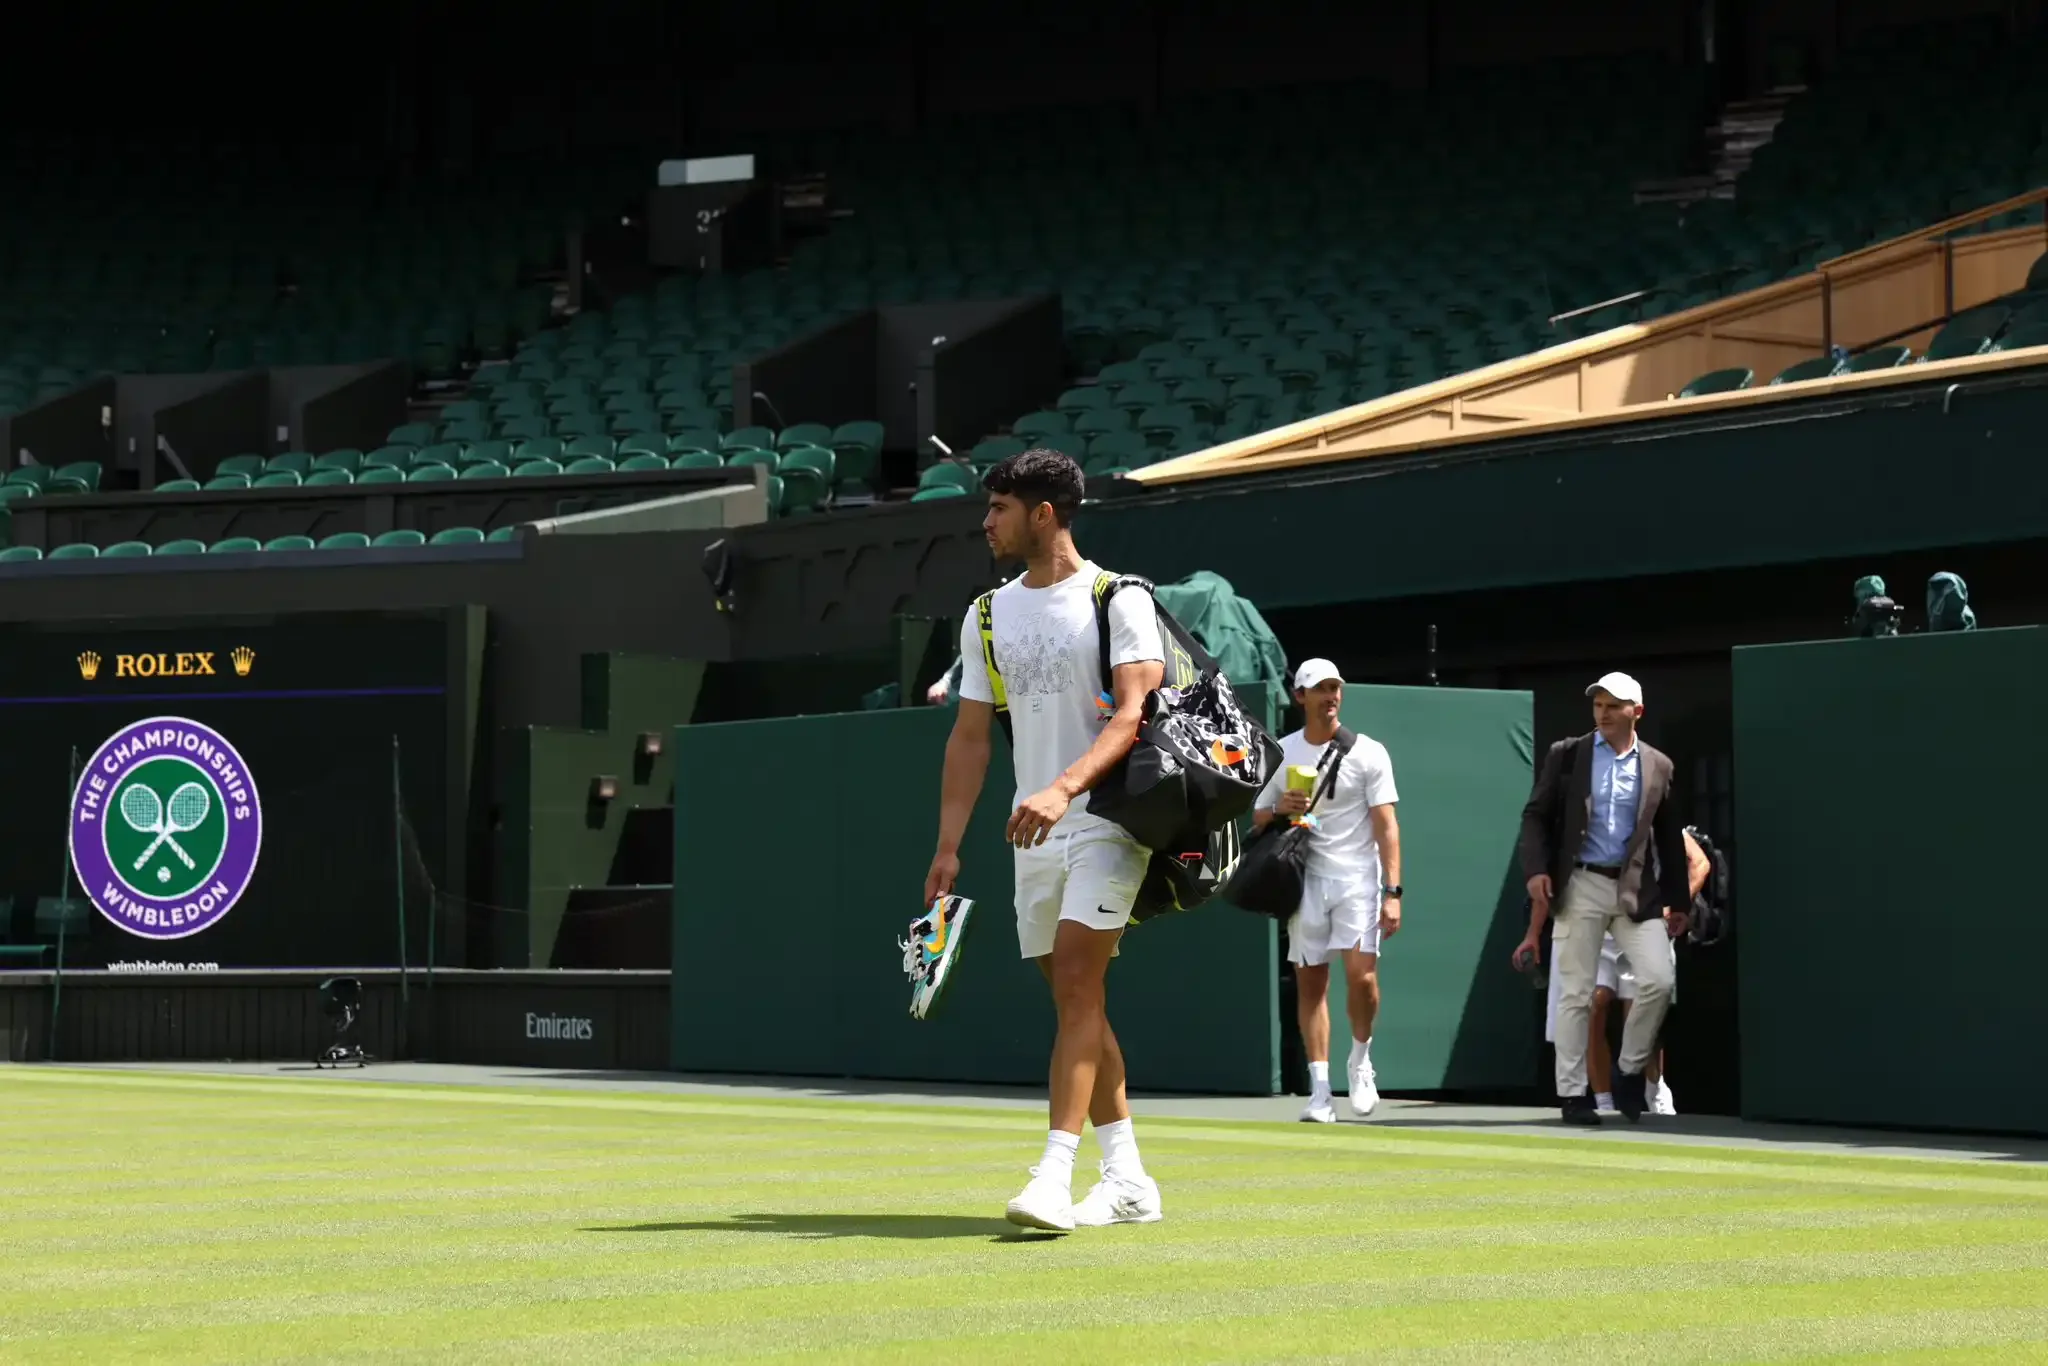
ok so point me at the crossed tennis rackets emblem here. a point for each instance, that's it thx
(148, 814)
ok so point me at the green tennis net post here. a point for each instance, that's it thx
(63, 908)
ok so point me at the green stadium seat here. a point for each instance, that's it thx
(1953, 344)
(178, 486)
(1118, 448)
(289, 543)
(327, 479)
(490, 452)
(398, 540)
(380, 474)
(250, 465)
(489, 469)
(585, 427)
(536, 469)
(1082, 399)
(937, 491)
(280, 479)
(693, 441)
(1038, 428)
(389, 457)
(945, 473)
(86, 472)
(2021, 337)
(77, 550)
(804, 434)
(19, 554)
(457, 535)
(185, 546)
(644, 445)
(469, 431)
(504, 533)
(584, 447)
(348, 461)
(1132, 398)
(411, 434)
(993, 450)
(235, 545)
(449, 453)
(1719, 382)
(770, 460)
(222, 483)
(590, 464)
(1878, 358)
(1164, 425)
(808, 476)
(345, 540)
(750, 438)
(60, 487)
(429, 474)
(538, 448)
(641, 464)
(698, 460)
(296, 462)
(1819, 367)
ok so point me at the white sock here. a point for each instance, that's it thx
(1319, 1078)
(1603, 1100)
(1361, 1051)
(1119, 1149)
(1058, 1161)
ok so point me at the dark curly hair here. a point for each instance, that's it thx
(1039, 476)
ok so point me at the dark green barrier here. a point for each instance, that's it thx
(1889, 812)
(1453, 1014)
(801, 849)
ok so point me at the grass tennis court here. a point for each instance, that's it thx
(168, 1218)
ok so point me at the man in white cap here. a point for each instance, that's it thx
(1351, 894)
(1600, 803)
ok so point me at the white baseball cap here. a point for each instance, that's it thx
(1315, 671)
(1620, 687)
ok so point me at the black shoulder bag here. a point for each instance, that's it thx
(1269, 877)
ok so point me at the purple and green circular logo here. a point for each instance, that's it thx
(165, 827)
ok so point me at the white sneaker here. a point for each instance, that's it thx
(1661, 1102)
(1047, 1203)
(1118, 1200)
(1319, 1110)
(1365, 1092)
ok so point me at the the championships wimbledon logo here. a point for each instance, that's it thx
(165, 827)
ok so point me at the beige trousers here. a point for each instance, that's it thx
(1589, 911)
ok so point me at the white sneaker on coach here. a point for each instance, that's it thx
(1661, 1102)
(1365, 1092)
(1119, 1200)
(1319, 1110)
(1046, 1202)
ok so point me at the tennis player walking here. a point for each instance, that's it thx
(1077, 875)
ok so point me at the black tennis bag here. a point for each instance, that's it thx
(1272, 872)
(1199, 762)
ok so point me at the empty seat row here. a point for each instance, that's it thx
(237, 545)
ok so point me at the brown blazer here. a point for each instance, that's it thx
(1561, 807)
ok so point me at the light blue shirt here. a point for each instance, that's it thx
(1616, 798)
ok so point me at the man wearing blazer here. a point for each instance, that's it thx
(1602, 840)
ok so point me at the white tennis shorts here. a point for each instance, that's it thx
(1613, 974)
(1089, 875)
(1336, 914)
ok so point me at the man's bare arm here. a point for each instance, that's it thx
(1129, 684)
(967, 751)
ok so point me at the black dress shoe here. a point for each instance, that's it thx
(1580, 1110)
(1631, 1096)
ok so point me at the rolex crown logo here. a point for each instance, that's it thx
(89, 666)
(244, 659)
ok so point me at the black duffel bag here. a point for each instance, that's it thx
(1270, 872)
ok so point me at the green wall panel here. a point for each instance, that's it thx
(1453, 1014)
(801, 848)
(1889, 809)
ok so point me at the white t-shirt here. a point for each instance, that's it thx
(1342, 846)
(1051, 662)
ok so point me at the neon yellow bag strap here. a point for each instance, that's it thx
(985, 616)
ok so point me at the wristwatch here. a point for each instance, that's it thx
(1394, 891)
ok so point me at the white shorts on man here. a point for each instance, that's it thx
(1337, 913)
